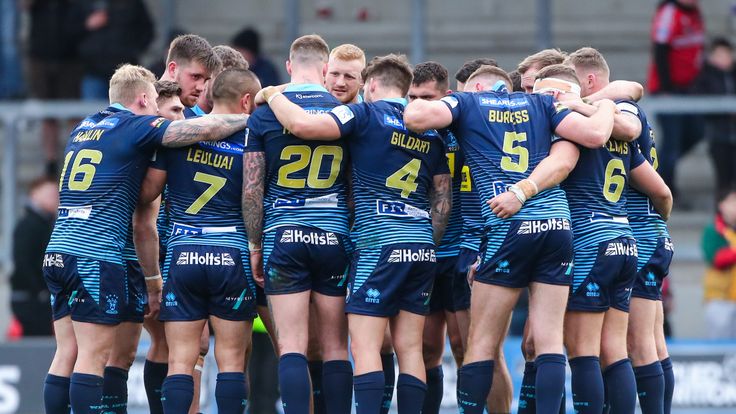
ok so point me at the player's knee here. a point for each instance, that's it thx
(456, 346)
(204, 346)
(527, 347)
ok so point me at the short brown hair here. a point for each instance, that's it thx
(588, 58)
(471, 66)
(128, 81)
(431, 71)
(230, 58)
(542, 59)
(189, 48)
(232, 84)
(391, 71)
(559, 71)
(492, 72)
(309, 48)
(515, 77)
(167, 89)
(348, 51)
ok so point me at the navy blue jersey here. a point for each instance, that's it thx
(106, 159)
(129, 249)
(193, 112)
(504, 136)
(204, 185)
(305, 180)
(645, 222)
(392, 172)
(450, 244)
(470, 209)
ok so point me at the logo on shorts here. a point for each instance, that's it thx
(621, 249)
(308, 237)
(651, 280)
(170, 299)
(140, 302)
(373, 295)
(408, 256)
(52, 299)
(503, 267)
(111, 303)
(593, 290)
(668, 245)
(53, 260)
(208, 259)
(541, 226)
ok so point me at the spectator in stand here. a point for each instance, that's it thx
(30, 297)
(678, 34)
(719, 249)
(117, 31)
(719, 78)
(248, 43)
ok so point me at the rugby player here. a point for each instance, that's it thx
(467, 69)
(297, 227)
(83, 265)
(516, 136)
(229, 58)
(647, 349)
(393, 266)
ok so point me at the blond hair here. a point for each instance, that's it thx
(309, 49)
(128, 81)
(588, 58)
(347, 52)
(542, 59)
(560, 71)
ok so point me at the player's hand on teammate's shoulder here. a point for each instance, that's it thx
(265, 93)
(505, 205)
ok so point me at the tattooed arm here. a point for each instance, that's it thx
(254, 172)
(203, 128)
(441, 199)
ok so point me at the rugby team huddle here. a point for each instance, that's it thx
(334, 214)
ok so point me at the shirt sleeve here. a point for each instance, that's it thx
(438, 158)
(556, 111)
(454, 102)
(349, 118)
(158, 161)
(149, 131)
(253, 138)
(637, 158)
(664, 24)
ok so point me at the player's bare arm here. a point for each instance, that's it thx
(145, 238)
(626, 126)
(619, 89)
(261, 100)
(440, 198)
(204, 128)
(590, 132)
(254, 172)
(297, 121)
(421, 115)
(645, 179)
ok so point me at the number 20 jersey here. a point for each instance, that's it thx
(105, 161)
(305, 180)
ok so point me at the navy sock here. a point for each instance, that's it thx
(177, 393)
(56, 394)
(115, 390)
(473, 385)
(435, 384)
(154, 374)
(527, 399)
(296, 392)
(230, 393)
(563, 403)
(369, 390)
(410, 394)
(621, 386)
(650, 388)
(85, 393)
(550, 382)
(337, 381)
(389, 376)
(669, 384)
(587, 384)
(318, 398)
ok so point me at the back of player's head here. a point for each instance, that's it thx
(234, 83)
(489, 75)
(348, 52)
(128, 81)
(309, 49)
(189, 48)
(515, 77)
(719, 42)
(431, 71)
(588, 59)
(230, 58)
(541, 59)
(248, 39)
(166, 89)
(391, 71)
(559, 71)
(471, 66)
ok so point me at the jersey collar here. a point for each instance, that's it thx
(198, 111)
(305, 87)
(401, 101)
(119, 107)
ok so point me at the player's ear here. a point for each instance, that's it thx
(171, 69)
(288, 67)
(324, 69)
(478, 87)
(245, 103)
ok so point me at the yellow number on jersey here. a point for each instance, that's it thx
(615, 180)
(405, 178)
(216, 183)
(87, 170)
(466, 184)
(654, 157)
(305, 157)
(507, 162)
(451, 163)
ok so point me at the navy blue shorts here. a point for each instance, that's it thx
(137, 294)
(517, 253)
(299, 258)
(261, 299)
(89, 290)
(603, 276)
(655, 256)
(451, 291)
(203, 281)
(385, 280)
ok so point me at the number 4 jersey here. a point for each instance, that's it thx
(305, 180)
(105, 161)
